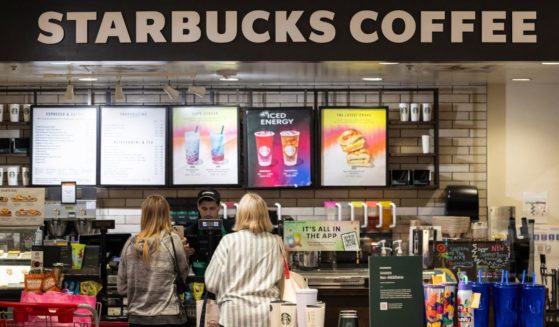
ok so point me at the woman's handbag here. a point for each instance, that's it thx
(181, 285)
(207, 312)
(291, 281)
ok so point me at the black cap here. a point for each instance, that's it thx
(208, 195)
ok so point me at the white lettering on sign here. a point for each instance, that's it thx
(261, 26)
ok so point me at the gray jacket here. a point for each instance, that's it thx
(150, 288)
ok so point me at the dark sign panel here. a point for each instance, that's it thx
(287, 30)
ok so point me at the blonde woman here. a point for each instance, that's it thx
(146, 274)
(246, 267)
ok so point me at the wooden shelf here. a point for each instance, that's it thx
(14, 155)
(412, 155)
(411, 123)
(18, 124)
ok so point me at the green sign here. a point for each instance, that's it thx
(396, 291)
(321, 235)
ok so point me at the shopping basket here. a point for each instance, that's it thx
(46, 314)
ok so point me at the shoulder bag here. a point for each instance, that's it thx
(179, 282)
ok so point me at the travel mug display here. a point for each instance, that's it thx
(464, 301)
(426, 111)
(2, 106)
(481, 314)
(26, 113)
(25, 176)
(505, 303)
(532, 305)
(13, 171)
(425, 143)
(434, 304)
(449, 304)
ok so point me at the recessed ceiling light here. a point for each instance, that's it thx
(521, 79)
(550, 63)
(372, 79)
(388, 63)
(229, 79)
(61, 63)
(88, 79)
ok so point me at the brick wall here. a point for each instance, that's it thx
(462, 141)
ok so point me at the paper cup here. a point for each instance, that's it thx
(425, 140)
(26, 113)
(275, 313)
(426, 111)
(315, 316)
(305, 296)
(1, 176)
(14, 113)
(288, 315)
(2, 106)
(404, 112)
(12, 175)
(25, 176)
(414, 112)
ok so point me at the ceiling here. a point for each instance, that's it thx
(272, 73)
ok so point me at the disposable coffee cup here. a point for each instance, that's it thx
(26, 113)
(305, 296)
(414, 112)
(426, 111)
(14, 113)
(425, 140)
(404, 112)
(13, 171)
(275, 313)
(288, 315)
(2, 106)
(315, 316)
(25, 176)
(1, 176)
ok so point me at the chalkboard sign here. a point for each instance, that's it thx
(471, 256)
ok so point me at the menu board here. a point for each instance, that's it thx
(64, 145)
(468, 256)
(353, 146)
(133, 145)
(22, 206)
(205, 145)
(278, 147)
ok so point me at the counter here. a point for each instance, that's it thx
(341, 289)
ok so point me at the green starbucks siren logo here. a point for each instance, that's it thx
(285, 319)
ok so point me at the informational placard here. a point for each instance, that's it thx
(68, 192)
(278, 147)
(64, 145)
(353, 146)
(133, 145)
(469, 257)
(205, 145)
(22, 206)
(321, 235)
(396, 291)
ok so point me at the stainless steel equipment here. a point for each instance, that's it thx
(423, 241)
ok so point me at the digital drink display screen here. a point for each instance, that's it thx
(205, 145)
(278, 147)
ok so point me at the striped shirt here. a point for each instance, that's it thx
(244, 274)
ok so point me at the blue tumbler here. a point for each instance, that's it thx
(481, 314)
(532, 305)
(505, 304)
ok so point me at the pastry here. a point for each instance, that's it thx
(21, 212)
(3, 199)
(33, 212)
(5, 212)
(361, 157)
(351, 140)
(24, 198)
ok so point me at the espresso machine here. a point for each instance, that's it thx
(422, 242)
(68, 221)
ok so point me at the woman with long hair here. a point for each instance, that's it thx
(147, 273)
(247, 267)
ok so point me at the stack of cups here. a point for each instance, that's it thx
(12, 171)
(505, 302)
(14, 112)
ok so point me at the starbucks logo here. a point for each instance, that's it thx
(12, 174)
(285, 319)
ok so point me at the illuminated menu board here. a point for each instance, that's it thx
(205, 145)
(278, 147)
(353, 146)
(133, 145)
(64, 145)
